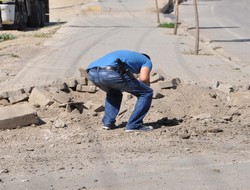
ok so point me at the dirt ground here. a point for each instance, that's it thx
(188, 120)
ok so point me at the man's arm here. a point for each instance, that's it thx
(145, 75)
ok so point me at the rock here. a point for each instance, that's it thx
(226, 88)
(169, 84)
(18, 98)
(157, 95)
(59, 124)
(62, 97)
(94, 106)
(83, 72)
(215, 130)
(155, 78)
(228, 118)
(184, 136)
(82, 81)
(215, 84)
(40, 96)
(17, 115)
(83, 88)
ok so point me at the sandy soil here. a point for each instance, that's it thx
(188, 121)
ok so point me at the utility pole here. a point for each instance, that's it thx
(157, 11)
(197, 34)
(176, 16)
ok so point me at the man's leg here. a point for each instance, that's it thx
(144, 96)
(112, 107)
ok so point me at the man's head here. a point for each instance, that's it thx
(146, 56)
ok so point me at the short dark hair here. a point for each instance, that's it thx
(146, 56)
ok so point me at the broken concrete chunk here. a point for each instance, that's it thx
(4, 102)
(3, 95)
(59, 124)
(82, 81)
(226, 88)
(40, 96)
(215, 130)
(71, 83)
(228, 118)
(83, 72)
(157, 95)
(61, 86)
(18, 98)
(215, 84)
(169, 84)
(94, 106)
(17, 115)
(83, 88)
(27, 90)
(15, 92)
(62, 97)
(155, 78)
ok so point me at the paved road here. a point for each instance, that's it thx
(123, 25)
(226, 23)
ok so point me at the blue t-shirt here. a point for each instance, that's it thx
(133, 60)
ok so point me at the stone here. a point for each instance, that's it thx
(40, 96)
(226, 88)
(94, 106)
(215, 84)
(169, 84)
(59, 124)
(4, 102)
(18, 98)
(62, 97)
(72, 83)
(83, 88)
(82, 81)
(83, 72)
(61, 86)
(155, 78)
(157, 95)
(15, 92)
(3, 95)
(17, 115)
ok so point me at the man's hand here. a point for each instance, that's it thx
(145, 75)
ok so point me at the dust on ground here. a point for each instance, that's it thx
(188, 120)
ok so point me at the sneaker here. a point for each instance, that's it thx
(142, 128)
(106, 128)
(112, 126)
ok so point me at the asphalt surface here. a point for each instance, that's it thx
(126, 25)
(224, 23)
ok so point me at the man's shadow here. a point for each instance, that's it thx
(159, 123)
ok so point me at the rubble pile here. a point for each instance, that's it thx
(20, 107)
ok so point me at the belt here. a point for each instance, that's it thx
(104, 68)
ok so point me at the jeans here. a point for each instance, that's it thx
(114, 83)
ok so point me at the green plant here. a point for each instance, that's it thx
(4, 37)
(166, 25)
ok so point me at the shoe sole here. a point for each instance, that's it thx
(106, 128)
